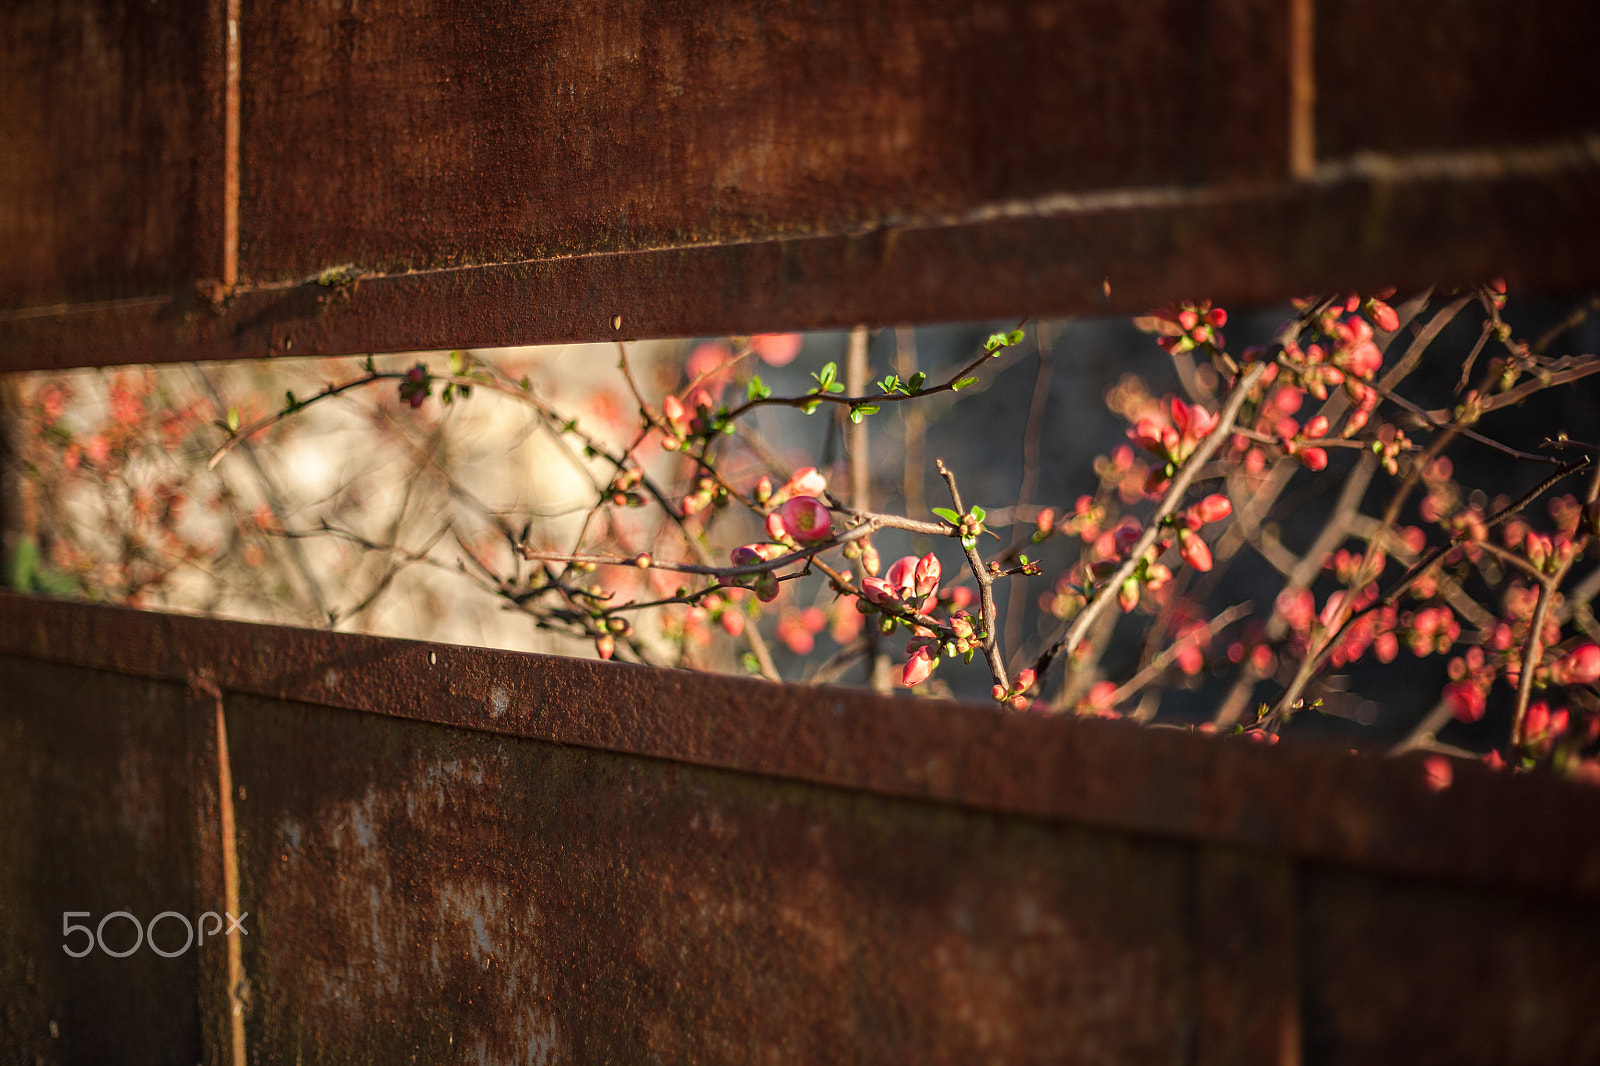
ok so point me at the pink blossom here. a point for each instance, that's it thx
(807, 481)
(901, 576)
(1298, 608)
(776, 349)
(708, 365)
(806, 519)
(1437, 773)
(880, 592)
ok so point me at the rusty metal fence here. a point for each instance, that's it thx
(447, 854)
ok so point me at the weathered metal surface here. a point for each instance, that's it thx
(1414, 76)
(109, 149)
(94, 816)
(438, 894)
(1397, 971)
(783, 165)
(1300, 800)
(1529, 222)
(420, 890)
(532, 131)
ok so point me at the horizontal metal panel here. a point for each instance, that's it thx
(441, 133)
(515, 174)
(456, 896)
(1301, 800)
(1452, 219)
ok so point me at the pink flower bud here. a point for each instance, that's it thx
(606, 645)
(806, 481)
(880, 592)
(1099, 696)
(1128, 595)
(918, 667)
(1025, 680)
(869, 559)
(1314, 458)
(672, 407)
(1194, 550)
(1217, 317)
(775, 527)
(751, 554)
(1437, 773)
(927, 575)
(1466, 700)
(701, 401)
(1214, 508)
(767, 586)
(1045, 520)
(763, 491)
(1578, 667)
(1537, 720)
(1383, 316)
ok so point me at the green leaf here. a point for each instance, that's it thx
(948, 515)
(22, 564)
(1015, 337)
(526, 383)
(825, 377)
(465, 391)
(369, 365)
(458, 363)
(809, 407)
(979, 513)
(995, 342)
(448, 394)
(233, 420)
(914, 385)
(963, 383)
(757, 389)
(858, 413)
(289, 402)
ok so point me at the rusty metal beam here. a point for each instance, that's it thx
(569, 861)
(1305, 801)
(532, 176)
